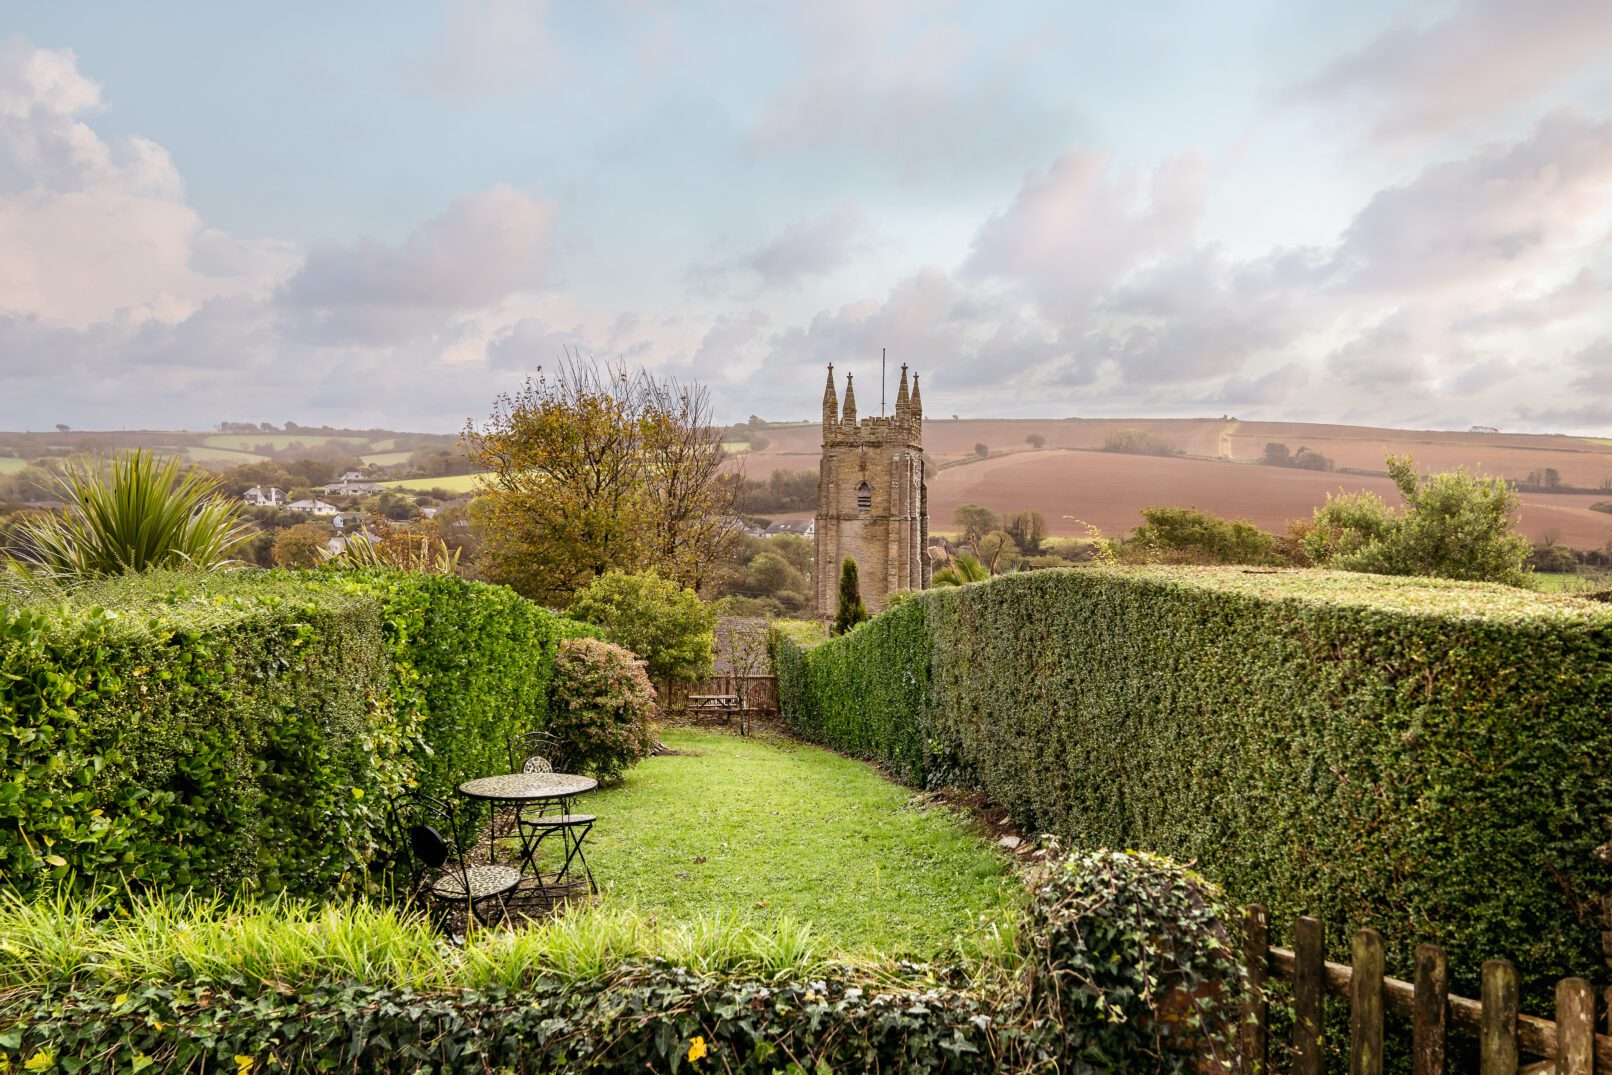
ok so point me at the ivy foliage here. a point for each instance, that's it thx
(1419, 756)
(241, 733)
(1125, 968)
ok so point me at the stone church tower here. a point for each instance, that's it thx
(872, 500)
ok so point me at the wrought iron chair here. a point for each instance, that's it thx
(533, 753)
(442, 875)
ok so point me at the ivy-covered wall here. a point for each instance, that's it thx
(243, 732)
(1423, 757)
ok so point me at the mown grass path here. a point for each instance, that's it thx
(770, 828)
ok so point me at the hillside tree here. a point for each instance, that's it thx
(1455, 525)
(591, 469)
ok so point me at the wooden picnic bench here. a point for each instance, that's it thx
(713, 703)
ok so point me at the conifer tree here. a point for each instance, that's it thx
(851, 610)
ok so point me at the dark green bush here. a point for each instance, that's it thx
(1131, 956)
(602, 702)
(1419, 756)
(242, 732)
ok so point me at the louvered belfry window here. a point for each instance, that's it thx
(864, 497)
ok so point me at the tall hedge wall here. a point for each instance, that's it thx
(242, 732)
(1426, 758)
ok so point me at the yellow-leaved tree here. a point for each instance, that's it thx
(589, 468)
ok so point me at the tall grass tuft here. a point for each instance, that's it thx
(141, 513)
(285, 943)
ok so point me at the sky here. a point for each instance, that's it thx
(375, 214)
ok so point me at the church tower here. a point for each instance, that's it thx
(872, 500)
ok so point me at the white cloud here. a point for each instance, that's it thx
(91, 229)
(479, 251)
(1424, 77)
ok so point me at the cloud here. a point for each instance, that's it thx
(487, 46)
(1074, 230)
(481, 249)
(1594, 366)
(1506, 210)
(92, 229)
(813, 247)
(1423, 78)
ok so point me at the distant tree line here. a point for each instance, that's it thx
(1137, 442)
(1278, 455)
(786, 491)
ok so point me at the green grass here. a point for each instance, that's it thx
(248, 442)
(776, 830)
(10, 464)
(197, 454)
(735, 447)
(457, 483)
(1571, 582)
(386, 459)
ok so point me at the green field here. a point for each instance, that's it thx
(1597, 440)
(457, 483)
(11, 464)
(201, 454)
(735, 447)
(1580, 582)
(249, 442)
(386, 459)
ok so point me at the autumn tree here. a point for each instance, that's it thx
(592, 469)
(302, 545)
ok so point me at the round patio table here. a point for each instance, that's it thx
(524, 789)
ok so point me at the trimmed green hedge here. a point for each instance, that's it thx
(242, 731)
(1426, 758)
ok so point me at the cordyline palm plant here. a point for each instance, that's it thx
(141, 513)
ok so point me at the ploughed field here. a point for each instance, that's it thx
(1219, 473)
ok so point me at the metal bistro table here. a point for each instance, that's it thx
(522, 790)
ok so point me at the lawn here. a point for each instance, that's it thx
(10, 463)
(457, 483)
(1572, 582)
(772, 829)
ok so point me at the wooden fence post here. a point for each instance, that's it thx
(1256, 947)
(1309, 993)
(1430, 1010)
(1575, 1027)
(1498, 1037)
(1366, 1003)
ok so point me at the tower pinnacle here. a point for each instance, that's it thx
(849, 414)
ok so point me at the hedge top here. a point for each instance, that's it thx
(1413, 596)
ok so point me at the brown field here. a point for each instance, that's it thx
(1109, 490)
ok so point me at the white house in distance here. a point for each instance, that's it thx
(312, 507)
(352, 484)
(264, 497)
(798, 527)
(349, 520)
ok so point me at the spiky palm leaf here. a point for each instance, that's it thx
(398, 552)
(141, 513)
(963, 570)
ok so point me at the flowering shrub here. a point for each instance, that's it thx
(599, 708)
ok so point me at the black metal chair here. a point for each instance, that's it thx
(442, 876)
(533, 752)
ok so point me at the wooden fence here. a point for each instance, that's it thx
(1508, 1041)
(756, 694)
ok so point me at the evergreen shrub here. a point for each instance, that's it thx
(1419, 756)
(602, 702)
(243, 732)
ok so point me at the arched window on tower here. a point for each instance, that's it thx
(864, 497)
